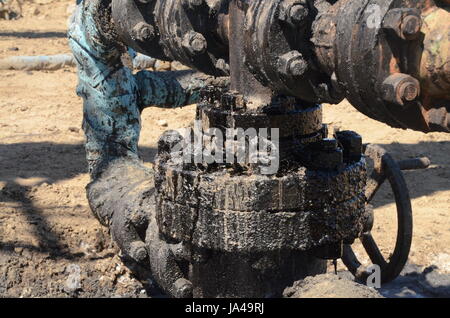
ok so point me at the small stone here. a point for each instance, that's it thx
(162, 66)
(162, 123)
(74, 130)
(18, 250)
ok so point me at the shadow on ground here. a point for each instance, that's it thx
(35, 35)
(49, 163)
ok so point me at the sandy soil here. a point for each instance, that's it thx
(51, 245)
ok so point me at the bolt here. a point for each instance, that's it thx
(222, 65)
(294, 12)
(411, 26)
(145, 1)
(400, 88)
(138, 251)
(293, 64)
(408, 91)
(182, 288)
(195, 43)
(298, 13)
(143, 32)
(406, 23)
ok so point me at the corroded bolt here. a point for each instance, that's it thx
(298, 13)
(400, 88)
(406, 23)
(138, 251)
(293, 64)
(222, 65)
(194, 42)
(408, 91)
(143, 32)
(411, 27)
(182, 288)
(294, 12)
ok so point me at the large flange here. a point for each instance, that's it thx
(229, 213)
(317, 201)
(278, 51)
(376, 51)
(195, 35)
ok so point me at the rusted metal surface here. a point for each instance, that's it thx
(376, 47)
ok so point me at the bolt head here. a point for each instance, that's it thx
(222, 65)
(292, 64)
(143, 32)
(138, 251)
(293, 12)
(183, 288)
(411, 27)
(298, 13)
(298, 67)
(406, 23)
(400, 88)
(408, 91)
(195, 43)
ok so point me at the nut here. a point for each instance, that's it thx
(298, 13)
(138, 251)
(143, 32)
(400, 88)
(182, 288)
(222, 65)
(292, 64)
(294, 12)
(408, 91)
(406, 23)
(195, 43)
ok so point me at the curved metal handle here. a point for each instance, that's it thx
(385, 167)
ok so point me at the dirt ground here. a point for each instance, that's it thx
(51, 245)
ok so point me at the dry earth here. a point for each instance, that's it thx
(47, 233)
